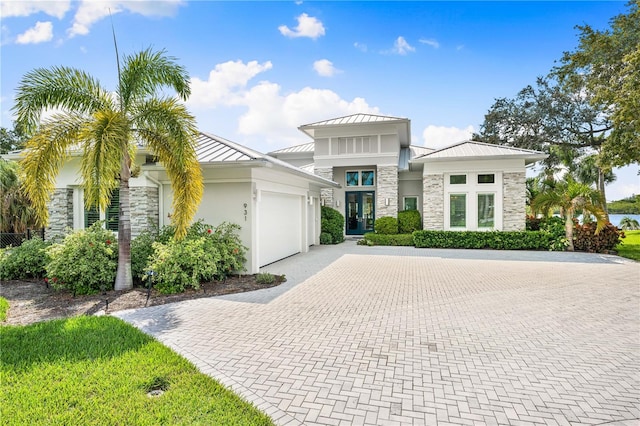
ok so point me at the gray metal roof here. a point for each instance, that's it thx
(306, 147)
(354, 119)
(478, 150)
(212, 149)
(409, 153)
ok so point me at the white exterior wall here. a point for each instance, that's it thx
(409, 185)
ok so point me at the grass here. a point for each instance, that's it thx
(4, 309)
(98, 371)
(630, 246)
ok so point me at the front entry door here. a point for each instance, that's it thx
(360, 212)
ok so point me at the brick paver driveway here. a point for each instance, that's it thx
(407, 336)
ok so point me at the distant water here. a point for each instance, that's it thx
(616, 218)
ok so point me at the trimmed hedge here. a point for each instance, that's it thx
(409, 221)
(332, 222)
(499, 240)
(372, 239)
(386, 225)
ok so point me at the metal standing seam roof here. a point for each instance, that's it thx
(474, 149)
(212, 149)
(304, 148)
(409, 153)
(355, 119)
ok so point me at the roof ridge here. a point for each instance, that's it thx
(354, 115)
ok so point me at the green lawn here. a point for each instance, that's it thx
(98, 370)
(4, 309)
(630, 247)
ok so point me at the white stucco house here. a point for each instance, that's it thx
(362, 165)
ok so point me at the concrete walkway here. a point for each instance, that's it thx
(385, 336)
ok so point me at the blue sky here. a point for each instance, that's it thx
(261, 69)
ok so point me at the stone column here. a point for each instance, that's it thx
(514, 201)
(387, 189)
(326, 194)
(433, 202)
(60, 213)
(144, 209)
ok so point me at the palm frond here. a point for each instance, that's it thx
(146, 72)
(105, 139)
(56, 88)
(170, 132)
(45, 153)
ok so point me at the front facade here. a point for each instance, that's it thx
(468, 186)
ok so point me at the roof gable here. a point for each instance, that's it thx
(354, 119)
(468, 150)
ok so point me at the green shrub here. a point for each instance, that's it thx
(226, 240)
(141, 254)
(533, 223)
(178, 265)
(332, 222)
(84, 262)
(586, 239)
(409, 221)
(325, 238)
(4, 309)
(555, 229)
(28, 260)
(386, 225)
(372, 239)
(500, 240)
(265, 278)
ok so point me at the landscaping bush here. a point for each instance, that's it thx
(372, 239)
(409, 221)
(265, 278)
(141, 254)
(386, 225)
(178, 265)
(225, 239)
(586, 239)
(325, 238)
(555, 228)
(533, 223)
(84, 262)
(332, 222)
(500, 240)
(25, 261)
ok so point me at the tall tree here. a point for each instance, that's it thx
(107, 127)
(572, 197)
(10, 140)
(16, 213)
(607, 63)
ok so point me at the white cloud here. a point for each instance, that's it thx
(41, 32)
(440, 136)
(308, 26)
(360, 46)
(225, 84)
(325, 68)
(269, 114)
(401, 47)
(56, 8)
(90, 11)
(430, 42)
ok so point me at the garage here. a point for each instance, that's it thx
(279, 226)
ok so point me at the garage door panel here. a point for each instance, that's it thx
(279, 227)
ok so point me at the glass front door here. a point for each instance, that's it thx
(360, 212)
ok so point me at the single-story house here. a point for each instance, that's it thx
(363, 165)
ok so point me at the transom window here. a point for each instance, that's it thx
(360, 178)
(458, 179)
(487, 178)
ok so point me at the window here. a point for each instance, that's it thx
(488, 178)
(411, 203)
(457, 210)
(486, 210)
(458, 179)
(111, 214)
(360, 178)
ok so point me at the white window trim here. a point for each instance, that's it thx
(472, 189)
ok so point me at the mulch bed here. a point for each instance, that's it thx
(32, 300)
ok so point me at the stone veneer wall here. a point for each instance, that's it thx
(326, 194)
(433, 202)
(387, 187)
(144, 209)
(514, 201)
(60, 213)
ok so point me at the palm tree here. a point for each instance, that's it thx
(16, 213)
(629, 224)
(107, 127)
(571, 197)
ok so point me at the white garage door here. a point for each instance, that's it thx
(279, 226)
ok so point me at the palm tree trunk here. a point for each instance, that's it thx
(124, 280)
(568, 231)
(601, 188)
